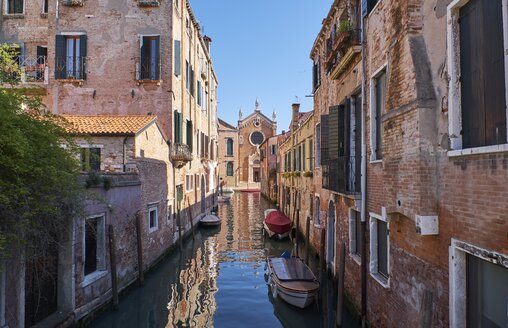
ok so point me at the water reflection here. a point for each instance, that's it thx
(218, 281)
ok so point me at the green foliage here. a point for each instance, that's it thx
(9, 70)
(345, 25)
(39, 191)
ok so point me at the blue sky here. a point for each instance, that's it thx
(261, 49)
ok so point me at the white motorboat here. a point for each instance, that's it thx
(292, 280)
(210, 220)
(223, 199)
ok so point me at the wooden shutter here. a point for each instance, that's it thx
(380, 104)
(324, 139)
(60, 60)
(82, 56)
(178, 127)
(189, 134)
(495, 79)
(157, 58)
(144, 61)
(178, 64)
(334, 129)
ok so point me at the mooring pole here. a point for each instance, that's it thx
(307, 241)
(112, 259)
(179, 221)
(340, 289)
(191, 219)
(140, 249)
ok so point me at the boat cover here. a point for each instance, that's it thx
(278, 222)
(291, 269)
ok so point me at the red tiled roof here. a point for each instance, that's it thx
(107, 124)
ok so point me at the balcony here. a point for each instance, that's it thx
(70, 68)
(180, 154)
(148, 3)
(341, 49)
(31, 70)
(342, 175)
(73, 3)
(148, 70)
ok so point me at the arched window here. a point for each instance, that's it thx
(229, 146)
(229, 169)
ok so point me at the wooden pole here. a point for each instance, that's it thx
(112, 258)
(340, 289)
(140, 249)
(322, 254)
(307, 241)
(426, 310)
(191, 219)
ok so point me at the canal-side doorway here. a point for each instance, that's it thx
(330, 249)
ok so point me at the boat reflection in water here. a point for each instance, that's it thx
(217, 280)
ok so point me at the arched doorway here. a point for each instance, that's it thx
(203, 194)
(330, 247)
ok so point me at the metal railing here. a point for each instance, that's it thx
(148, 69)
(73, 2)
(337, 47)
(70, 68)
(31, 69)
(342, 175)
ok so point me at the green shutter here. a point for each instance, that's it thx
(178, 65)
(60, 61)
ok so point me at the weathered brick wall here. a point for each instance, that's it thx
(112, 152)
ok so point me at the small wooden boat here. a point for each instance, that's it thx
(292, 280)
(210, 220)
(277, 224)
(223, 199)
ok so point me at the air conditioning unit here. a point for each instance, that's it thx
(427, 225)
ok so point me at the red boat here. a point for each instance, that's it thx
(277, 224)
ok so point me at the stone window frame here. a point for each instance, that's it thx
(458, 251)
(372, 108)
(383, 281)
(6, 9)
(356, 256)
(150, 208)
(101, 250)
(454, 93)
(43, 5)
(170, 211)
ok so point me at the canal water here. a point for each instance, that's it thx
(218, 281)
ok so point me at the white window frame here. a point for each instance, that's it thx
(458, 278)
(372, 110)
(6, 9)
(151, 208)
(454, 90)
(383, 281)
(42, 9)
(101, 250)
(352, 237)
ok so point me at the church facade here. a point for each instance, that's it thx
(239, 155)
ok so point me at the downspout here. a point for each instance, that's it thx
(125, 154)
(363, 185)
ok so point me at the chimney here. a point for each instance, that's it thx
(295, 117)
(208, 42)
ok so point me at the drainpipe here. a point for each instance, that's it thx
(364, 186)
(125, 154)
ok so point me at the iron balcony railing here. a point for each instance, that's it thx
(73, 3)
(148, 69)
(31, 69)
(180, 154)
(342, 175)
(70, 68)
(338, 46)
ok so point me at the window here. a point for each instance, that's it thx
(90, 159)
(256, 138)
(189, 183)
(487, 304)
(317, 211)
(94, 244)
(178, 127)
(229, 147)
(316, 75)
(229, 169)
(153, 219)
(187, 75)
(149, 66)
(379, 249)
(15, 7)
(200, 94)
(355, 233)
(273, 149)
(368, 5)
(304, 158)
(170, 213)
(45, 5)
(189, 134)
(177, 53)
(70, 55)
(477, 100)
(378, 101)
